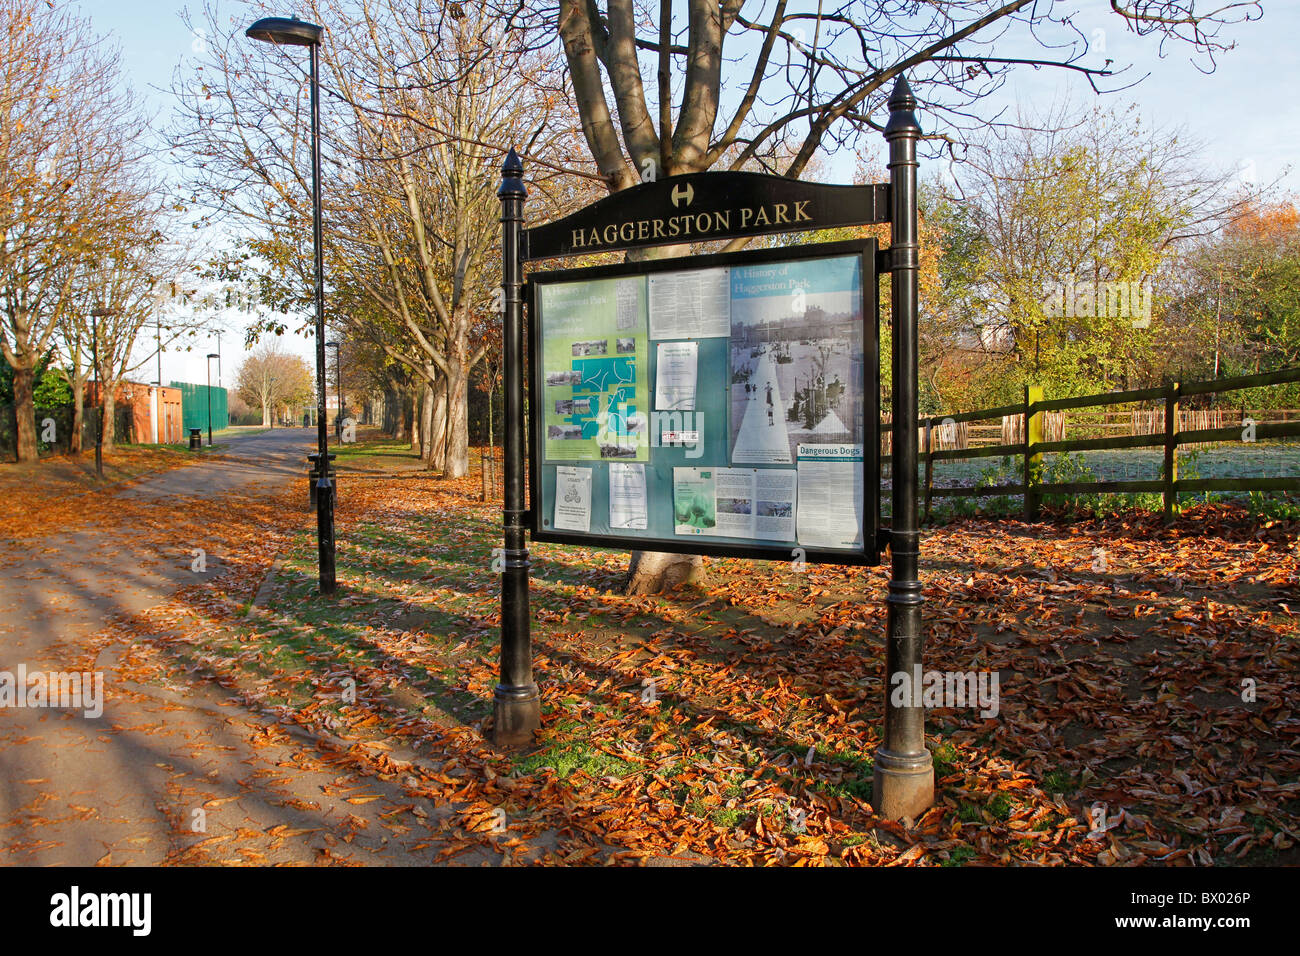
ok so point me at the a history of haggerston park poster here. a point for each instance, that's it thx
(796, 353)
(778, 460)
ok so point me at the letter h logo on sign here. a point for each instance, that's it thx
(683, 192)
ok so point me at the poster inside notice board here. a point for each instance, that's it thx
(724, 406)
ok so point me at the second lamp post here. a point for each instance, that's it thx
(293, 32)
(211, 356)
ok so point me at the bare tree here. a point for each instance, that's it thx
(271, 378)
(70, 150)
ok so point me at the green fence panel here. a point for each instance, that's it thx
(194, 406)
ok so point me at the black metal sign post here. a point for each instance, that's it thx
(517, 707)
(705, 206)
(903, 780)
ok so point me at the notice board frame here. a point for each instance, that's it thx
(866, 249)
(903, 769)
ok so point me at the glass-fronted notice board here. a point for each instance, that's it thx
(727, 408)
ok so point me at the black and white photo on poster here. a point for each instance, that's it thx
(796, 358)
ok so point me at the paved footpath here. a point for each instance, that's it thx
(65, 585)
(180, 774)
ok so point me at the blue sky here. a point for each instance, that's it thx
(1247, 110)
(1246, 113)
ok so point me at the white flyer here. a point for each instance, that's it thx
(627, 298)
(572, 498)
(676, 374)
(627, 496)
(734, 491)
(690, 305)
(775, 491)
(830, 496)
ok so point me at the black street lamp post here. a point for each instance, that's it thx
(294, 32)
(208, 369)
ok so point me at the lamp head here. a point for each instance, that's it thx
(285, 31)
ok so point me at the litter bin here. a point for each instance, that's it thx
(196, 439)
(312, 477)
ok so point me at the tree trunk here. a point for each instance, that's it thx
(417, 422)
(436, 458)
(405, 415)
(653, 572)
(425, 423)
(457, 438)
(78, 413)
(25, 414)
(394, 423)
(107, 418)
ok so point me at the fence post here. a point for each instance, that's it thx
(1171, 451)
(929, 466)
(1033, 460)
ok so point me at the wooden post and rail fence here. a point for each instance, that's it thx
(1035, 426)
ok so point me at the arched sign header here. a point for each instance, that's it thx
(701, 206)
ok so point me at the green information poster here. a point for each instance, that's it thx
(595, 393)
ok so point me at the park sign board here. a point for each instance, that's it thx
(703, 206)
(723, 404)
